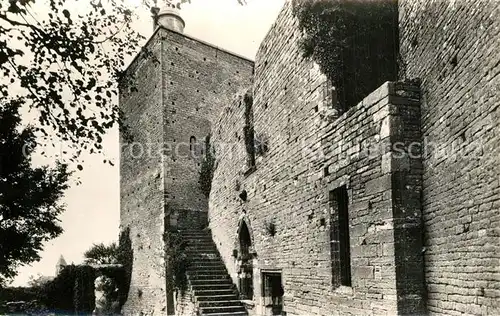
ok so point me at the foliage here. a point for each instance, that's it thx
(243, 195)
(67, 63)
(354, 42)
(29, 197)
(72, 291)
(64, 58)
(177, 260)
(248, 130)
(101, 254)
(112, 277)
(125, 257)
(38, 281)
(115, 279)
(84, 292)
(12, 294)
(261, 144)
(58, 295)
(270, 227)
(207, 168)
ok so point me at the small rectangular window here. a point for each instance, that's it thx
(273, 292)
(339, 237)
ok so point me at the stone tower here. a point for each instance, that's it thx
(61, 263)
(171, 94)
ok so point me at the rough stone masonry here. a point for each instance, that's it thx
(419, 163)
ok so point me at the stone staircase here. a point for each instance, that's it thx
(214, 292)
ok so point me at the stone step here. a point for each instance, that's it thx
(200, 244)
(227, 314)
(214, 292)
(194, 271)
(197, 270)
(213, 298)
(204, 257)
(207, 264)
(197, 250)
(202, 254)
(211, 281)
(195, 231)
(221, 268)
(222, 276)
(220, 303)
(222, 309)
(213, 286)
(199, 239)
(202, 260)
(196, 235)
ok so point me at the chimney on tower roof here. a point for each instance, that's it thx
(168, 17)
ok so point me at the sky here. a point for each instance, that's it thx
(93, 207)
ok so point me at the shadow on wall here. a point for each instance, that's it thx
(126, 259)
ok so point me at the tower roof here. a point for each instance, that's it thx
(61, 261)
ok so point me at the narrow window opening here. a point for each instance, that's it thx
(326, 172)
(192, 146)
(339, 237)
(248, 130)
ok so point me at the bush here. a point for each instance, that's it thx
(72, 291)
(57, 295)
(125, 257)
(207, 168)
(84, 292)
(354, 42)
(177, 260)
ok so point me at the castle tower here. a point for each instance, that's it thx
(169, 17)
(171, 94)
(61, 263)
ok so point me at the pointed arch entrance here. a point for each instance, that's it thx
(245, 261)
(244, 240)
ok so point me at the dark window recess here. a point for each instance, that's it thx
(248, 130)
(192, 146)
(246, 272)
(339, 237)
(246, 284)
(368, 59)
(328, 94)
(273, 292)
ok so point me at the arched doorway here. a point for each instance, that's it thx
(245, 240)
(245, 274)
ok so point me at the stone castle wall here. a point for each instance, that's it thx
(311, 152)
(179, 85)
(141, 185)
(199, 80)
(453, 47)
